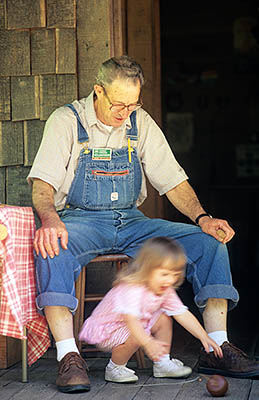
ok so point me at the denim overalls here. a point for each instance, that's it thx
(101, 218)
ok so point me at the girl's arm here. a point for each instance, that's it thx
(192, 325)
(155, 349)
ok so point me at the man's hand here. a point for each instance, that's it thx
(218, 228)
(47, 238)
(52, 229)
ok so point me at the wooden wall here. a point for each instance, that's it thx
(143, 44)
(49, 52)
(38, 73)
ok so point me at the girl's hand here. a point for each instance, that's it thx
(155, 349)
(207, 341)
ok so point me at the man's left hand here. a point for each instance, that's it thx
(218, 228)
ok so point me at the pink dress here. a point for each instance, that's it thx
(105, 327)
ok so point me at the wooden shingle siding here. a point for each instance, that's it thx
(55, 91)
(33, 131)
(65, 51)
(61, 14)
(25, 13)
(5, 99)
(38, 73)
(11, 143)
(25, 97)
(17, 189)
(43, 59)
(15, 51)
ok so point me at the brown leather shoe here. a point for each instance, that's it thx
(72, 375)
(234, 363)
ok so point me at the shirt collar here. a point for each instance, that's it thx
(91, 114)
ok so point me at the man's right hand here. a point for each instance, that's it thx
(47, 238)
(52, 230)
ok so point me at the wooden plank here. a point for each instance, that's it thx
(143, 44)
(55, 91)
(11, 143)
(5, 100)
(254, 394)
(43, 51)
(2, 14)
(26, 14)
(93, 40)
(25, 97)
(15, 51)
(18, 190)
(33, 131)
(117, 27)
(2, 185)
(238, 389)
(62, 13)
(65, 51)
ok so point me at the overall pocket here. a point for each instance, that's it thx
(109, 188)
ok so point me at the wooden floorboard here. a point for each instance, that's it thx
(254, 394)
(42, 376)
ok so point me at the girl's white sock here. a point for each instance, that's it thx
(66, 346)
(164, 359)
(219, 337)
(112, 364)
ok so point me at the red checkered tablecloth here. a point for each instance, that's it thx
(17, 303)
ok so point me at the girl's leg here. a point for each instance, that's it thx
(123, 352)
(116, 370)
(162, 329)
(165, 367)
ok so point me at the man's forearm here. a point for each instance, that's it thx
(185, 200)
(43, 200)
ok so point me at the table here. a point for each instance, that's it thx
(18, 314)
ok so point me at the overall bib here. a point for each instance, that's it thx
(101, 217)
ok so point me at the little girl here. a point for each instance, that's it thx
(137, 312)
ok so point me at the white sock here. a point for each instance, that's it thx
(164, 359)
(113, 365)
(219, 337)
(66, 346)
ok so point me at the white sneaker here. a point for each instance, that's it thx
(120, 374)
(171, 369)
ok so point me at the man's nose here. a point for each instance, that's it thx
(124, 113)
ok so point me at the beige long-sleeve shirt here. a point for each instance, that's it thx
(57, 157)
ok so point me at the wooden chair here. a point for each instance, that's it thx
(120, 261)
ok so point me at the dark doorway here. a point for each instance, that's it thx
(210, 108)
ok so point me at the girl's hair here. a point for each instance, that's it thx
(123, 67)
(153, 254)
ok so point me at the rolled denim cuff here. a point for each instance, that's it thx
(56, 299)
(218, 292)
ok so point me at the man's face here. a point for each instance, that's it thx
(120, 92)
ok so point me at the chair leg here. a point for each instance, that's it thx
(24, 357)
(140, 357)
(79, 315)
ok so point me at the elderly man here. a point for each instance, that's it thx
(88, 180)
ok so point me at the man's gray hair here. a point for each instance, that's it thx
(123, 67)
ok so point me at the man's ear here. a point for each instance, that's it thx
(98, 89)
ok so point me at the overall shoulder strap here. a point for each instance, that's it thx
(132, 133)
(82, 135)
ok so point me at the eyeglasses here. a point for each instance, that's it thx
(120, 107)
